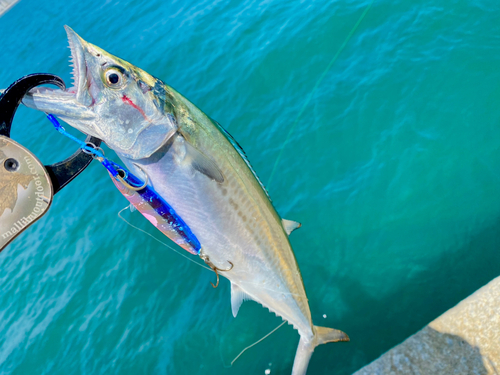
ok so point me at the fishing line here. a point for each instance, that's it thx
(318, 82)
(183, 255)
(255, 343)
(156, 239)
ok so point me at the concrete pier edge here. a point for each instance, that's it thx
(5, 5)
(464, 340)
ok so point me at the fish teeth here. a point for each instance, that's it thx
(73, 62)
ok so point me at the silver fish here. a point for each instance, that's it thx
(199, 169)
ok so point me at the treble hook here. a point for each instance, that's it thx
(207, 261)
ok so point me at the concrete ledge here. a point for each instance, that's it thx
(464, 340)
(5, 5)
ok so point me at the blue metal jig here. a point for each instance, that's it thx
(147, 193)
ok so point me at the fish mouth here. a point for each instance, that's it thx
(77, 61)
(73, 105)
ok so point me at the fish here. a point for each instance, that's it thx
(196, 166)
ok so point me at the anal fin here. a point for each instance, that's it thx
(237, 298)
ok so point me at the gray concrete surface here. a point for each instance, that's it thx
(464, 340)
(5, 5)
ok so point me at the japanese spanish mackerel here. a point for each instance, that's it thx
(200, 170)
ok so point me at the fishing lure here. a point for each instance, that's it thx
(142, 196)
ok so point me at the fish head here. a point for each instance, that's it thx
(112, 100)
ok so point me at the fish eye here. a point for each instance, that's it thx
(114, 78)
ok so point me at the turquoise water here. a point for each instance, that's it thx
(393, 169)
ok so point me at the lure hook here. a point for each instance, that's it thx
(207, 261)
(134, 188)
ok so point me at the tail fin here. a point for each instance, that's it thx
(322, 335)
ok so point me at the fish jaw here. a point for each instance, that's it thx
(79, 49)
(112, 100)
(63, 104)
(73, 105)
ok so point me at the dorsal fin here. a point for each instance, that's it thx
(237, 298)
(290, 225)
(243, 155)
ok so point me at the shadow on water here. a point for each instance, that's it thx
(432, 352)
(440, 286)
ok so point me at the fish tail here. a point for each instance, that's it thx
(322, 335)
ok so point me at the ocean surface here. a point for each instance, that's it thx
(384, 145)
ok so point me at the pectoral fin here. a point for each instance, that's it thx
(187, 154)
(290, 225)
(203, 164)
(237, 298)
